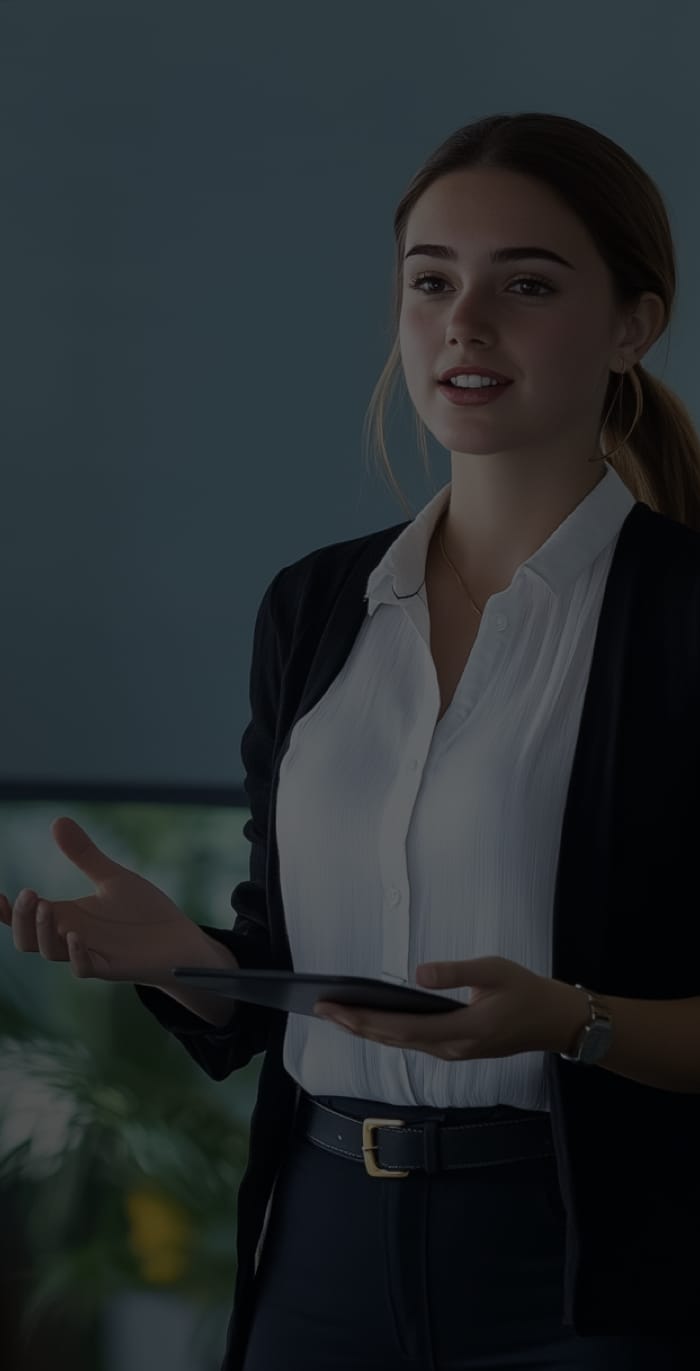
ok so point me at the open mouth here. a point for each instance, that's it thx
(473, 395)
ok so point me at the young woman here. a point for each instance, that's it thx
(473, 747)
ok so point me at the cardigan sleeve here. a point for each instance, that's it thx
(221, 1051)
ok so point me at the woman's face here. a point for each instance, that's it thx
(556, 338)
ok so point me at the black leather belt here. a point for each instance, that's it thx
(393, 1147)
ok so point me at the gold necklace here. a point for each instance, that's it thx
(449, 563)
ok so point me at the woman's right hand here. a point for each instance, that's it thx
(127, 930)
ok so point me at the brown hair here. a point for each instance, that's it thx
(625, 215)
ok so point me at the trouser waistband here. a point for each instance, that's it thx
(392, 1144)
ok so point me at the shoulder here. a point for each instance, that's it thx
(648, 534)
(334, 562)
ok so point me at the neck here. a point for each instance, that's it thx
(487, 545)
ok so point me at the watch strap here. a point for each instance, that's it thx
(597, 1013)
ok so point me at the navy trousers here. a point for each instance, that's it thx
(455, 1271)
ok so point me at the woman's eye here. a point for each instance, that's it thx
(426, 276)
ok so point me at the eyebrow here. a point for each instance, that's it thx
(499, 255)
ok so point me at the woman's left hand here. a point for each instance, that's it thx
(511, 1010)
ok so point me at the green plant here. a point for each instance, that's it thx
(128, 1173)
(123, 1157)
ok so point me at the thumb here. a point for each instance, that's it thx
(428, 973)
(78, 847)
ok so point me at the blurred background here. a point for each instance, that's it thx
(120, 1159)
(197, 256)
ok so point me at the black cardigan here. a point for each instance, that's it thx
(625, 919)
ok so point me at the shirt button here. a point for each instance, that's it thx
(501, 621)
(414, 764)
(394, 895)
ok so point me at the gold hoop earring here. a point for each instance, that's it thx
(639, 405)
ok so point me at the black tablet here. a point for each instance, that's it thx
(297, 993)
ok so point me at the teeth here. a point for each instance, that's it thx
(473, 382)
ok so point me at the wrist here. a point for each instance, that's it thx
(573, 1015)
(217, 954)
(199, 951)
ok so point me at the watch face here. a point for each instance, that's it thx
(597, 1042)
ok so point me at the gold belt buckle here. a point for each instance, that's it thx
(369, 1146)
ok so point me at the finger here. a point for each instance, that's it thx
(51, 945)
(24, 922)
(80, 960)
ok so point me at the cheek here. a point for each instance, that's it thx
(420, 348)
(417, 373)
(563, 347)
(570, 377)
(554, 369)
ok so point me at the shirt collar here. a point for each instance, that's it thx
(568, 551)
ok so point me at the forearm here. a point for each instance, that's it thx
(655, 1042)
(214, 1009)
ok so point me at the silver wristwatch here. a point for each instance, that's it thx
(595, 1038)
